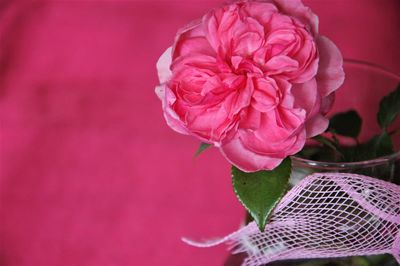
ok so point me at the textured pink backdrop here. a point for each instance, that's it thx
(89, 172)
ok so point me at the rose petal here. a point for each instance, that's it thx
(261, 11)
(210, 124)
(163, 66)
(251, 119)
(316, 125)
(276, 134)
(308, 61)
(246, 160)
(281, 63)
(171, 117)
(330, 73)
(306, 96)
(219, 25)
(265, 96)
(297, 9)
(248, 43)
(327, 103)
(193, 45)
(160, 92)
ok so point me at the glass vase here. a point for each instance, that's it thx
(364, 87)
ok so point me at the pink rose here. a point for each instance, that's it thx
(253, 78)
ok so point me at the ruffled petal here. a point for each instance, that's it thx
(163, 66)
(330, 73)
(281, 63)
(297, 9)
(316, 125)
(236, 153)
(170, 116)
(262, 11)
(249, 161)
(307, 97)
(327, 103)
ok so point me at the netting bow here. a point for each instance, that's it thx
(325, 215)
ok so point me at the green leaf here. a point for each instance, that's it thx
(379, 145)
(202, 147)
(260, 192)
(329, 143)
(389, 108)
(382, 144)
(346, 124)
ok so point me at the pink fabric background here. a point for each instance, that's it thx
(89, 172)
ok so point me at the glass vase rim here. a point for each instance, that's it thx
(371, 66)
(346, 165)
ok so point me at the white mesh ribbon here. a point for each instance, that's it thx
(325, 215)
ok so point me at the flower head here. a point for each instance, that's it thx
(254, 78)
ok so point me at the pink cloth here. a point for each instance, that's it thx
(86, 160)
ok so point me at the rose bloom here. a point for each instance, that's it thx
(253, 78)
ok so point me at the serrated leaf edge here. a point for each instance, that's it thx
(264, 223)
